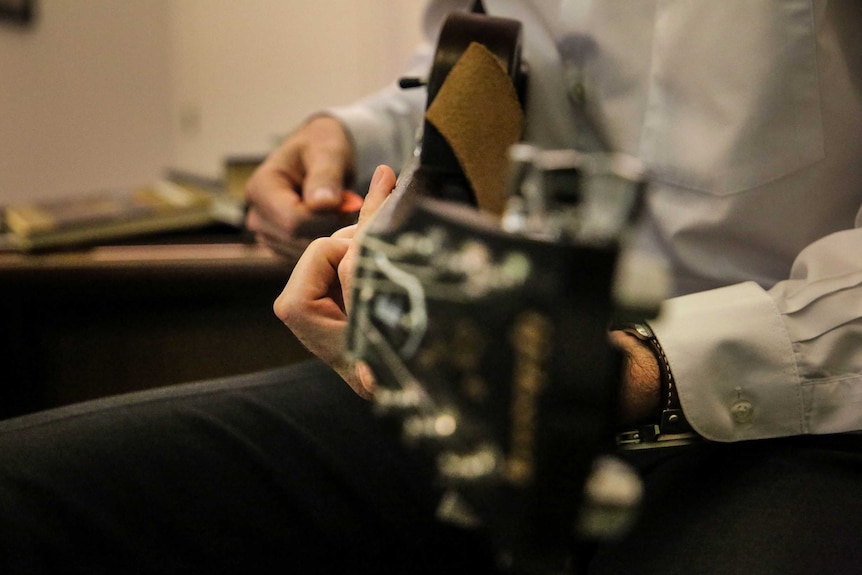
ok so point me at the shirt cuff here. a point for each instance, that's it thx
(733, 363)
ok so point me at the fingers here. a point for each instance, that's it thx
(366, 378)
(381, 187)
(323, 186)
(308, 293)
(346, 232)
(298, 191)
(312, 307)
(314, 303)
(327, 158)
(382, 184)
(275, 209)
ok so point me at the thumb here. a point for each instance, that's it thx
(381, 187)
(322, 188)
(382, 184)
(326, 157)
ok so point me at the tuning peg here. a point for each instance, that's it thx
(453, 509)
(393, 401)
(408, 83)
(479, 464)
(421, 427)
(612, 497)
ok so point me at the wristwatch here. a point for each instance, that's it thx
(672, 424)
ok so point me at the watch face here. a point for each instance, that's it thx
(640, 330)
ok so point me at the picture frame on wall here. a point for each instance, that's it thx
(16, 11)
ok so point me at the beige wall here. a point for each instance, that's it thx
(248, 71)
(84, 97)
(103, 93)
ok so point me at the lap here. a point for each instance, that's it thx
(780, 506)
(283, 468)
(289, 469)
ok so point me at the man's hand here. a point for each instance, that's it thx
(298, 193)
(316, 300)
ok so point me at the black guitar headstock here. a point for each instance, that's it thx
(487, 337)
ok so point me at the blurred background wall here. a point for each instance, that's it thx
(111, 93)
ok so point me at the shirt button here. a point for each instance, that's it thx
(575, 83)
(742, 411)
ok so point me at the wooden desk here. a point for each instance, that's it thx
(107, 320)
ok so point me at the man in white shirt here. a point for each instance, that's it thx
(748, 115)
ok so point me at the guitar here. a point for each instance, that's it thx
(487, 334)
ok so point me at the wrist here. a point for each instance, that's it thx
(640, 386)
(666, 413)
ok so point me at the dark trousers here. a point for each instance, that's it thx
(289, 471)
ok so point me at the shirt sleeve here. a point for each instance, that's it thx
(754, 363)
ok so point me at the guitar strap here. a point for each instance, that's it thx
(477, 112)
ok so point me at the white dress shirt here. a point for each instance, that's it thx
(748, 115)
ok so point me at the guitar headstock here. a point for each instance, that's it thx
(488, 341)
(487, 334)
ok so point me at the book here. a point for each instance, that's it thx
(237, 171)
(224, 206)
(109, 214)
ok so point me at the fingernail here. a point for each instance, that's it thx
(324, 195)
(378, 173)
